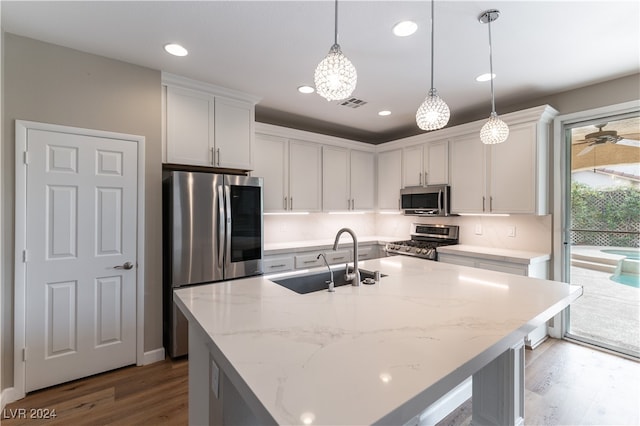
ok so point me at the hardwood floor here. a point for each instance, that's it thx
(566, 384)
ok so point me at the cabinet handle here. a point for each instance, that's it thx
(338, 258)
(483, 204)
(218, 151)
(353, 204)
(419, 178)
(213, 157)
(290, 203)
(399, 206)
(285, 203)
(490, 204)
(278, 266)
(310, 261)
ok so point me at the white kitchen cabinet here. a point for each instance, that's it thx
(389, 179)
(233, 133)
(348, 179)
(204, 128)
(190, 127)
(305, 176)
(272, 164)
(291, 172)
(506, 178)
(468, 174)
(362, 180)
(426, 164)
(336, 194)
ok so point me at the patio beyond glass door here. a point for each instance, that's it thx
(603, 232)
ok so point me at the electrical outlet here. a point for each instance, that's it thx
(478, 229)
(215, 378)
(511, 231)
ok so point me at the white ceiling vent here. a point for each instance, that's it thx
(353, 103)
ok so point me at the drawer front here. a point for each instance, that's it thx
(367, 252)
(340, 256)
(308, 261)
(278, 264)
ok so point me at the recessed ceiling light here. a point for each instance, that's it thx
(405, 28)
(485, 77)
(175, 49)
(385, 112)
(306, 89)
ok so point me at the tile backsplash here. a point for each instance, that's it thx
(518, 232)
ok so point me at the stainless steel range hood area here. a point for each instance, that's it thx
(431, 200)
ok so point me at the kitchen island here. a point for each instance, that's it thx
(374, 354)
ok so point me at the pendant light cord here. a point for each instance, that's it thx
(493, 98)
(432, 43)
(335, 32)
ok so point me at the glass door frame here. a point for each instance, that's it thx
(561, 163)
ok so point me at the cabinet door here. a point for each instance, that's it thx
(467, 174)
(437, 161)
(362, 180)
(305, 176)
(513, 171)
(335, 179)
(412, 166)
(271, 163)
(233, 133)
(389, 179)
(189, 127)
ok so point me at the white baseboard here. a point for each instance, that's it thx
(8, 396)
(155, 355)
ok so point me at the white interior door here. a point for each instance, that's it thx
(81, 237)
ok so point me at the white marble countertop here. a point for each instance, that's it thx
(345, 242)
(498, 254)
(369, 354)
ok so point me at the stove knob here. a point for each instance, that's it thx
(407, 248)
(424, 251)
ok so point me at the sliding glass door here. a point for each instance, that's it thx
(602, 231)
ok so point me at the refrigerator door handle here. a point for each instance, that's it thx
(227, 198)
(221, 226)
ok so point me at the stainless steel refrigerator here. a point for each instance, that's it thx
(212, 231)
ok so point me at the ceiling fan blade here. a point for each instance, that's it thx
(586, 150)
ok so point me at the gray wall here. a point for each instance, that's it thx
(53, 84)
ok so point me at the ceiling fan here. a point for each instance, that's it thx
(601, 137)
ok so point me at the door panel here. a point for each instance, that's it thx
(81, 211)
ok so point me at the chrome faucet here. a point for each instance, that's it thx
(331, 284)
(355, 276)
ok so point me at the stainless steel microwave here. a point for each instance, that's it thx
(432, 200)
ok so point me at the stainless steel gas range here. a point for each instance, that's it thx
(425, 239)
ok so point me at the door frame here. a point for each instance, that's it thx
(561, 160)
(19, 314)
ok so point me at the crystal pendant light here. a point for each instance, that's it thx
(335, 75)
(434, 113)
(494, 130)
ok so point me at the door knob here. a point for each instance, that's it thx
(127, 265)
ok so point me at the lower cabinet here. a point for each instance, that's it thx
(284, 262)
(534, 270)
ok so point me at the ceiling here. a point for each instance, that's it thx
(269, 48)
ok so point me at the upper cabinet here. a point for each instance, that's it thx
(507, 178)
(206, 125)
(426, 164)
(348, 179)
(389, 179)
(291, 172)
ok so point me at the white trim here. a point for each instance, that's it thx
(8, 396)
(303, 135)
(152, 356)
(560, 321)
(21, 127)
(169, 79)
(445, 405)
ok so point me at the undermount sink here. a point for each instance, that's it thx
(316, 281)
